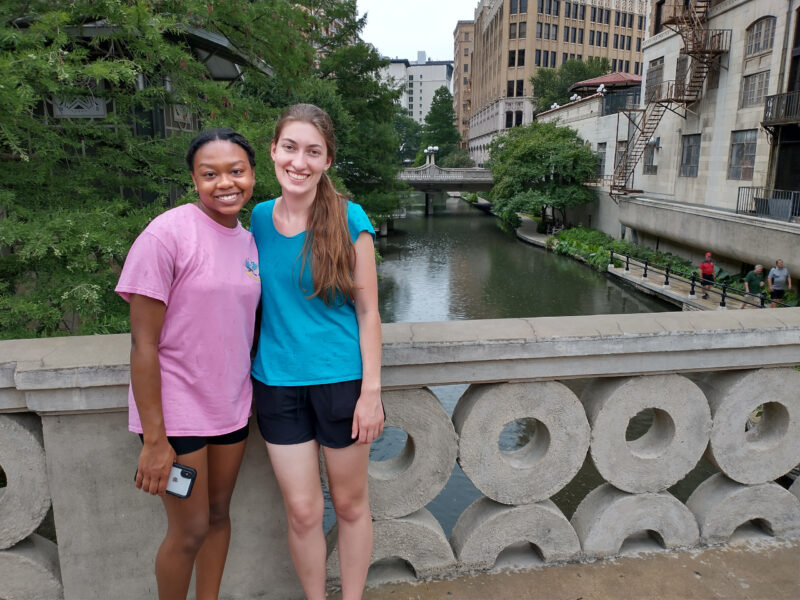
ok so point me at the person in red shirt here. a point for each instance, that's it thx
(707, 274)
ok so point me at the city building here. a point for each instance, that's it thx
(515, 38)
(464, 36)
(709, 159)
(418, 81)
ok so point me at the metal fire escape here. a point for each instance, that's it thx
(702, 47)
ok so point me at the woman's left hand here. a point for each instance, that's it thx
(368, 418)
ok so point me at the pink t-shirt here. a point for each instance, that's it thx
(207, 275)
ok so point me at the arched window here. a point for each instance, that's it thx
(760, 36)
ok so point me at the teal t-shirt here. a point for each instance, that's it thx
(302, 341)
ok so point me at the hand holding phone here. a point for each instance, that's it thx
(181, 480)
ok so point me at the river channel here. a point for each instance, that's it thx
(460, 264)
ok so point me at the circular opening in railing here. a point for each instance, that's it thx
(644, 540)
(3, 481)
(521, 555)
(650, 432)
(391, 453)
(390, 570)
(767, 424)
(523, 442)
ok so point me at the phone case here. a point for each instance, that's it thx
(181, 480)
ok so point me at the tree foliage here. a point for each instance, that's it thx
(75, 192)
(552, 85)
(409, 133)
(537, 166)
(439, 128)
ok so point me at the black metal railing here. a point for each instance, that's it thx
(623, 100)
(780, 205)
(782, 108)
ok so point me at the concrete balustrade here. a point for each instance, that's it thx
(701, 374)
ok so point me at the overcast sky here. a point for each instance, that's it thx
(400, 29)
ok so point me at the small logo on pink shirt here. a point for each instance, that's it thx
(252, 268)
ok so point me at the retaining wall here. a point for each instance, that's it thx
(577, 381)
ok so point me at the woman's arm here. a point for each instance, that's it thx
(157, 456)
(368, 417)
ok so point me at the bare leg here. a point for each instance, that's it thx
(296, 467)
(224, 461)
(187, 527)
(347, 476)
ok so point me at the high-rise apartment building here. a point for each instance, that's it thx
(515, 38)
(419, 80)
(464, 36)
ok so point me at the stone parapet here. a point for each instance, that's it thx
(716, 384)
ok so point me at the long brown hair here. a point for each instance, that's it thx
(328, 246)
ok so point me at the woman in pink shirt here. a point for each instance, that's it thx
(193, 285)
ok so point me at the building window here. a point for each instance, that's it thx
(608, 16)
(601, 160)
(509, 119)
(521, 58)
(540, 6)
(538, 31)
(573, 34)
(517, 118)
(523, 6)
(591, 37)
(466, 67)
(537, 58)
(638, 44)
(641, 23)
(410, 77)
(690, 156)
(616, 41)
(563, 58)
(593, 14)
(512, 58)
(605, 39)
(616, 19)
(554, 33)
(583, 12)
(465, 81)
(509, 89)
(512, 7)
(649, 168)
(466, 36)
(520, 87)
(760, 36)
(466, 51)
(613, 65)
(743, 154)
(580, 36)
(754, 88)
(627, 66)
(546, 31)
(566, 33)
(523, 30)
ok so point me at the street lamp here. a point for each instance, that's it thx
(430, 151)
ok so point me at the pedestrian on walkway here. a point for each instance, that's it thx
(707, 274)
(753, 284)
(779, 281)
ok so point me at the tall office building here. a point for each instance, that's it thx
(464, 36)
(418, 80)
(515, 38)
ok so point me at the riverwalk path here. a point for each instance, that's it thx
(677, 292)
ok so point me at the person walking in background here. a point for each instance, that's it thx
(779, 281)
(317, 368)
(753, 282)
(192, 281)
(707, 274)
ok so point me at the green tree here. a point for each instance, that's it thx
(74, 192)
(439, 128)
(537, 166)
(552, 85)
(410, 134)
(457, 158)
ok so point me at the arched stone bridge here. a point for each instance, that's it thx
(431, 178)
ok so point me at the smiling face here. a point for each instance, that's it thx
(301, 157)
(224, 180)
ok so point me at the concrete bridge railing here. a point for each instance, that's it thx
(431, 177)
(577, 381)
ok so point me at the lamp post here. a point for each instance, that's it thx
(430, 153)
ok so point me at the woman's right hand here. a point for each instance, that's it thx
(155, 462)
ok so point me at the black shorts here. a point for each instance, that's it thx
(707, 279)
(776, 294)
(298, 414)
(186, 444)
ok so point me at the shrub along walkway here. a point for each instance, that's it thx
(677, 292)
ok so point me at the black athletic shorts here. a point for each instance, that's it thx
(298, 414)
(183, 444)
(707, 279)
(776, 294)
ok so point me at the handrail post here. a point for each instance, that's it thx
(694, 282)
(627, 262)
(724, 294)
(666, 277)
(763, 299)
(644, 275)
(611, 257)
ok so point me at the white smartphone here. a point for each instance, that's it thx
(181, 480)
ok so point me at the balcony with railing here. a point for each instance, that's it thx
(780, 205)
(782, 109)
(622, 100)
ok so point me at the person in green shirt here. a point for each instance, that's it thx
(753, 282)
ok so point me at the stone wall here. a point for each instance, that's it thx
(578, 381)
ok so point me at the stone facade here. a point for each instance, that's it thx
(464, 37)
